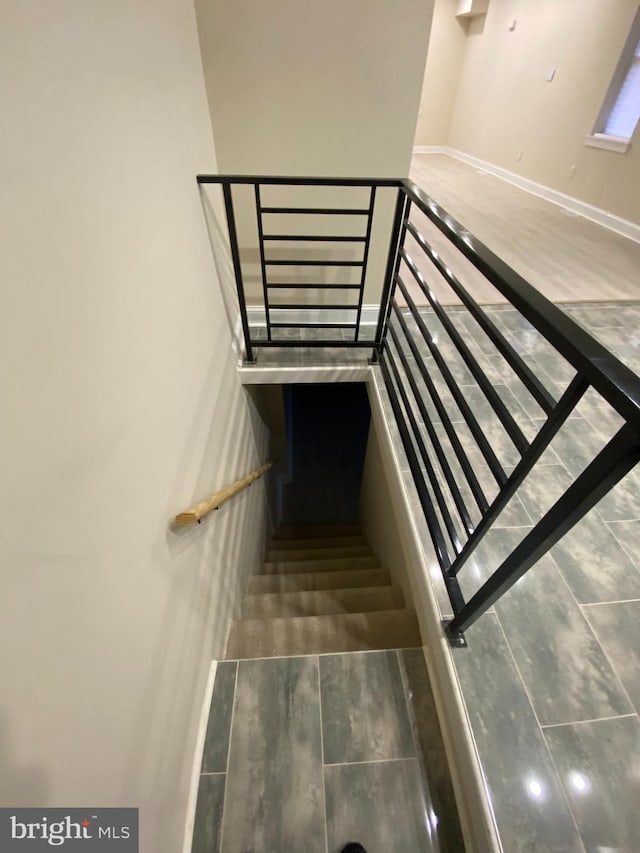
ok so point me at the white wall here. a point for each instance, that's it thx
(503, 105)
(121, 405)
(447, 42)
(328, 88)
(314, 88)
(378, 515)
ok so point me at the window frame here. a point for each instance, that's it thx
(599, 138)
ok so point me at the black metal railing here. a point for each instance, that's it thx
(430, 360)
(345, 296)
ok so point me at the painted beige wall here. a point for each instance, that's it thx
(447, 43)
(378, 517)
(327, 88)
(121, 405)
(503, 104)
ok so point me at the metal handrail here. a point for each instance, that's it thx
(398, 347)
(617, 383)
(198, 511)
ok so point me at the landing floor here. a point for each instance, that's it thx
(307, 753)
(566, 257)
(551, 675)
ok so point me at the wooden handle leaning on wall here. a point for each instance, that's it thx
(199, 510)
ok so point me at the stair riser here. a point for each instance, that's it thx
(319, 603)
(318, 581)
(316, 532)
(327, 542)
(317, 553)
(337, 564)
(350, 632)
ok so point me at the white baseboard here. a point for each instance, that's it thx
(581, 208)
(201, 734)
(369, 316)
(430, 149)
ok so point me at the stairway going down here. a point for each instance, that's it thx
(321, 590)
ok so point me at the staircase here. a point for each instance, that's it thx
(321, 590)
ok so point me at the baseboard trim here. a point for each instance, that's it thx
(430, 149)
(192, 799)
(621, 226)
(369, 316)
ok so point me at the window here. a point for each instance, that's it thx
(621, 108)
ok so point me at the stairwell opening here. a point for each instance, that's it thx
(324, 686)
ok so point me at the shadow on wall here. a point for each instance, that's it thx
(21, 785)
(215, 223)
(209, 564)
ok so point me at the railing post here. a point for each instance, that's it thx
(613, 462)
(400, 218)
(237, 269)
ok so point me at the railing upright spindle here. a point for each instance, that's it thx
(263, 268)
(400, 219)
(237, 269)
(365, 259)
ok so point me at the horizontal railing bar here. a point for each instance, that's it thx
(315, 307)
(433, 436)
(535, 387)
(431, 474)
(298, 286)
(612, 463)
(449, 428)
(431, 518)
(300, 343)
(314, 238)
(313, 325)
(321, 211)
(290, 262)
(496, 402)
(296, 181)
(472, 422)
(565, 405)
(199, 510)
(617, 383)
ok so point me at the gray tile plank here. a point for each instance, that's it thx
(431, 752)
(379, 805)
(595, 565)
(364, 713)
(560, 660)
(564, 669)
(216, 745)
(274, 799)
(599, 765)
(531, 812)
(208, 819)
(617, 626)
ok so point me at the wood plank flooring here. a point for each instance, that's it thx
(566, 257)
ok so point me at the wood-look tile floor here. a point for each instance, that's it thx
(567, 257)
(308, 753)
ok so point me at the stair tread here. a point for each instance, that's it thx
(326, 634)
(276, 554)
(319, 602)
(316, 530)
(333, 579)
(327, 564)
